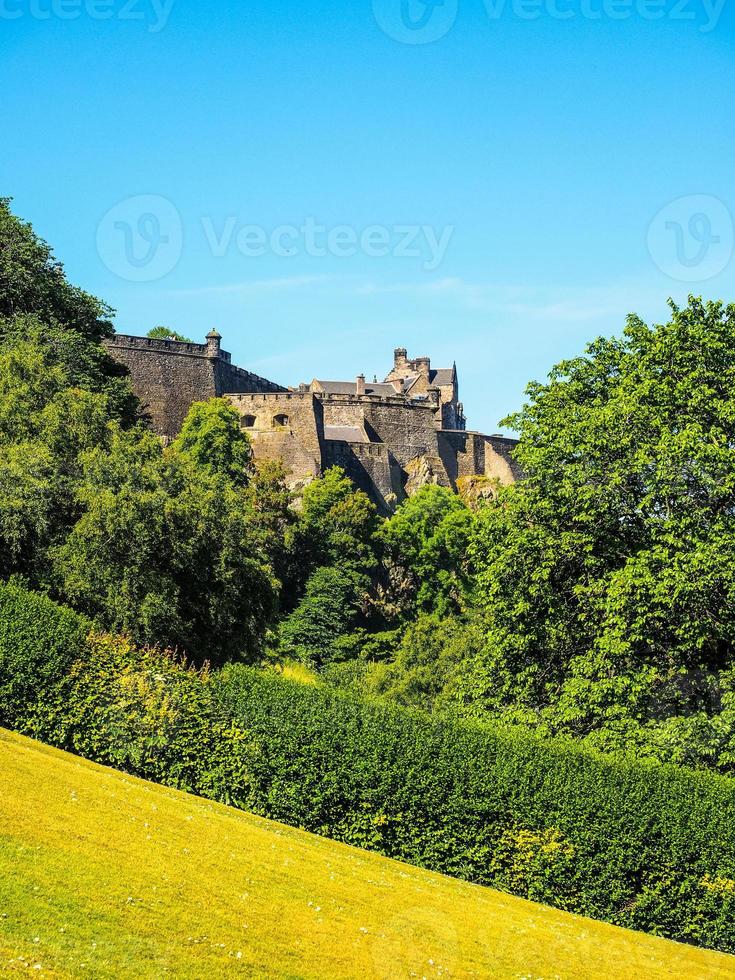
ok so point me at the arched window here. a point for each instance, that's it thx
(248, 421)
(280, 420)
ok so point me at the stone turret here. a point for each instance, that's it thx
(213, 343)
(400, 359)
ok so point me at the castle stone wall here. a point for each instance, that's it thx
(408, 428)
(288, 426)
(168, 375)
(370, 467)
(405, 449)
(475, 454)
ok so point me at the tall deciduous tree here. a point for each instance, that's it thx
(211, 436)
(166, 552)
(607, 575)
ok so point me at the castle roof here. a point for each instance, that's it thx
(345, 433)
(350, 387)
(442, 376)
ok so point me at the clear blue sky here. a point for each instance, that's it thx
(542, 147)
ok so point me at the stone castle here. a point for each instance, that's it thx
(391, 437)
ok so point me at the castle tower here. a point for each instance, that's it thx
(213, 343)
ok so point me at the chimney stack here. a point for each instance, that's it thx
(213, 343)
(423, 366)
(400, 358)
(360, 385)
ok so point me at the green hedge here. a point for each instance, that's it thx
(39, 642)
(142, 711)
(646, 846)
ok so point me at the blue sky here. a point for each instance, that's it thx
(498, 194)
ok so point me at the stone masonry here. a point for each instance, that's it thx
(391, 437)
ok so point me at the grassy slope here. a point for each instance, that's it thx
(103, 875)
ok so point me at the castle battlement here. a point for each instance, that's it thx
(166, 346)
(390, 437)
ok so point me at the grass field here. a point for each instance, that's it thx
(103, 875)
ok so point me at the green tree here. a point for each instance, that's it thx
(427, 659)
(32, 281)
(326, 612)
(337, 526)
(425, 553)
(273, 517)
(45, 423)
(165, 552)
(607, 575)
(165, 333)
(211, 436)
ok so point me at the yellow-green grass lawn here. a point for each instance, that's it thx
(104, 875)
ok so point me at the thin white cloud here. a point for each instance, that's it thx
(543, 303)
(255, 286)
(552, 303)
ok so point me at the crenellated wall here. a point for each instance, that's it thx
(475, 454)
(288, 426)
(388, 444)
(168, 375)
(407, 427)
(370, 466)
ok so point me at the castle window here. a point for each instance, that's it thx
(248, 421)
(280, 420)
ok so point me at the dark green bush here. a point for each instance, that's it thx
(646, 846)
(642, 845)
(39, 641)
(140, 710)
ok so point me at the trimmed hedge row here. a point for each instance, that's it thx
(39, 642)
(646, 846)
(142, 711)
(638, 844)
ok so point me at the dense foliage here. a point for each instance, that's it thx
(592, 600)
(605, 578)
(642, 845)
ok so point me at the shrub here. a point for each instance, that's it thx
(140, 710)
(639, 844)
(149, 713)
(635, 843)
(39, 642)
